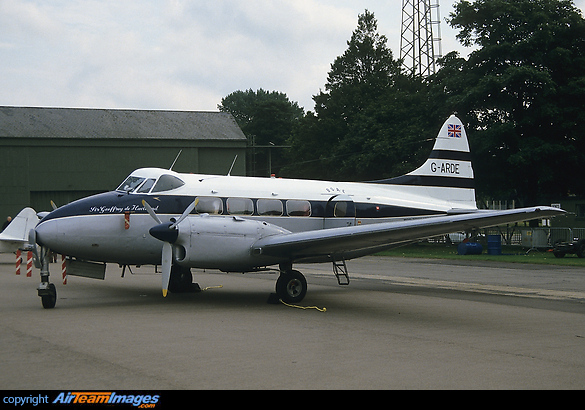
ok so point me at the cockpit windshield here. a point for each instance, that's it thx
(130, 184)
(135, 184)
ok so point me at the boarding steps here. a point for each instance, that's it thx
(340, 272)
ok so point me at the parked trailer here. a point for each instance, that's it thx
(577, 247)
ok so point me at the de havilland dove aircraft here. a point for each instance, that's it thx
(248, 224)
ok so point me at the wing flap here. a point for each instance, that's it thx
(366, 239)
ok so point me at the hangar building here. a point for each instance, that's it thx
(62, 154)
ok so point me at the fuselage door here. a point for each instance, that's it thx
(339, 211)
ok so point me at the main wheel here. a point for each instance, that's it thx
(49, 297)
(580, 251)
(559, 254)
(181, 279)
(291, 286)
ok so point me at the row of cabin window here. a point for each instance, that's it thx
(245, 206)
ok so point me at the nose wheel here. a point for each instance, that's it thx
(291, 286)
(48, 294)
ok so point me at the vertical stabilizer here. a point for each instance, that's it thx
(447, 172)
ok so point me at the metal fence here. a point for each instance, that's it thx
(523, 236)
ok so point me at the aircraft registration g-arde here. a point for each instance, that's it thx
(248, 224)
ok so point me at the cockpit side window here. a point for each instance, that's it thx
(146, 186)
(167, 182)
(130, 184)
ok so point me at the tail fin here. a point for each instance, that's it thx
(16, 234)
(447, 173)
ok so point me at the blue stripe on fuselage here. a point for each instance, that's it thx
(116, 203)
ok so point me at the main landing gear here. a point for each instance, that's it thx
(182, 280)
(291, 285)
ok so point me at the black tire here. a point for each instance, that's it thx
(291, 286)
(181, 279)
(580, 245)
(49, 300)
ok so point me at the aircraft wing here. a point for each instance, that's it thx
(354, 241)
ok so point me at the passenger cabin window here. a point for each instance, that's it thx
(130, 184)
(340, 209)
(166, 183)
(209, 205)
(269, 207)
(298, 208)
(240, 206)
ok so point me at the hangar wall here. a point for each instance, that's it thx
(37, 169)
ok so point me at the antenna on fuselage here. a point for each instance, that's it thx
(176, 158)
(232, 167)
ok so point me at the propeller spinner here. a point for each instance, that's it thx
(168, 234)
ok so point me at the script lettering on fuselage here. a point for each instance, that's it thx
(112, 209)
(445, 168)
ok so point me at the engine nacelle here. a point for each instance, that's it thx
(220, 242)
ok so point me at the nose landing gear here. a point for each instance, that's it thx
(46, 290)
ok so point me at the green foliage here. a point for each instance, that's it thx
(510, 254)
(520, 94)
(267, 119)
(353, 134)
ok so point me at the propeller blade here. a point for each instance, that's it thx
(53, 205)
(151, 212)
(186, 213)
(167, 261)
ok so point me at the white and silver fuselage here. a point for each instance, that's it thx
(114, 226)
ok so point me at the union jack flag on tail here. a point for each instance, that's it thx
(454, 131)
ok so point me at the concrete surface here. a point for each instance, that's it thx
(400, 324)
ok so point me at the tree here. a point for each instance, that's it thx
(267, 119)
(521, 93)
(323, 143)
(361, 74)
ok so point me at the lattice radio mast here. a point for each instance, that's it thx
(419, 48)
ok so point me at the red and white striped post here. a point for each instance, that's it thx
(18, 261)
(64, 268)
(29, 263)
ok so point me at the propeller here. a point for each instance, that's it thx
(151, 212)
(168, 234)
(167, 261)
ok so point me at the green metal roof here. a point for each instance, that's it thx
(88, 123)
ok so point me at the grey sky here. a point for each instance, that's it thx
(179, 55)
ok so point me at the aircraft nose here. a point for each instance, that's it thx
(163, 232)
(45, 232)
